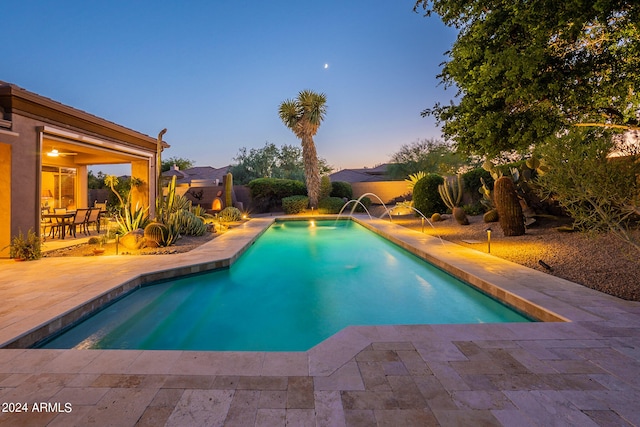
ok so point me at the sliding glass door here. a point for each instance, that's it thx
(58, 187)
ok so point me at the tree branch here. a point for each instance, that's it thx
(608, 125)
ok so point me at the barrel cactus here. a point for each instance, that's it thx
(490, 216)
(436, 217)
(154, 234)
(508, 206)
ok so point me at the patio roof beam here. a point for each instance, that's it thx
(84, 140)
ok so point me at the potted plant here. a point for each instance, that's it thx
(26, 248)
(99, 250)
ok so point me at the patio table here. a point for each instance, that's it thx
(62, 218)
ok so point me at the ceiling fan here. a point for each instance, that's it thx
(55, 153)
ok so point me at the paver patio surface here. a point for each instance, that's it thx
(582, 372)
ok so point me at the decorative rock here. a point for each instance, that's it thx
(133, 239)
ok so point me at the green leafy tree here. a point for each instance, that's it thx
(270, 161)
(425, 155)
(291, 165)
(525, 70)
(303, 115)
(255, 163)
(95, 182)
(178, 161)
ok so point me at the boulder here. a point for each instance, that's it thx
(133, 239)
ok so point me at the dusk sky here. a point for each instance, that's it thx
(214, 72)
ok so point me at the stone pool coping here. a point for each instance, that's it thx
(599, 343)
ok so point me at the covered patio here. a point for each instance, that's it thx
(46, 149)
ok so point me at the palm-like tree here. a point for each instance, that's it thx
(303, 116)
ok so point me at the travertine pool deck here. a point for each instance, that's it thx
(580, 372)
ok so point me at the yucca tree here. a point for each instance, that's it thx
(303, 116)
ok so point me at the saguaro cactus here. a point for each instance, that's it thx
(508, 206)
(228, 190)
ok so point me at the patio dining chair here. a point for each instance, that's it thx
(45, 223)
(57, 224)
(93, 217)
(79, 220)
(101, 206)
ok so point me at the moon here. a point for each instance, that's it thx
(326, 66)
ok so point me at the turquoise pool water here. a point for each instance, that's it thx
(300, 283)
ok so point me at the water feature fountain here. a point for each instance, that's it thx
(386, 211)
(355, 203)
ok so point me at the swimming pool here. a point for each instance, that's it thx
(301, 282)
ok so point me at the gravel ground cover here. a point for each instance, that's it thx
(184, 244)
(602, 262)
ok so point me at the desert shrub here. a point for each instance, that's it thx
(27, 247)
(472, 183)
(267, 193)
(474, 209)
(341, 189)
(598, 192)
(294, 204)
(366, 202)
(230, 214)
(330, 205)
(426, 197)
(325, 187)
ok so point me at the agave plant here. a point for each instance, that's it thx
(128, 219)
(414, 178)
(132, 220)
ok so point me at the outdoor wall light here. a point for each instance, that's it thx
(53, 153)
(488, 240)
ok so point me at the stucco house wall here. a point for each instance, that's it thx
(388, 191)
(25, 168)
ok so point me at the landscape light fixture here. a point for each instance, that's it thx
(488, 240)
